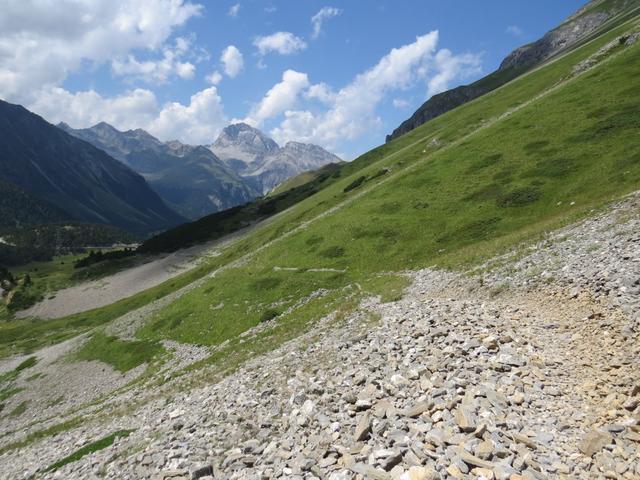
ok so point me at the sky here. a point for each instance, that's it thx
(341, 74)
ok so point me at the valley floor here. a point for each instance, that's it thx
(118, 286)
(526, 368)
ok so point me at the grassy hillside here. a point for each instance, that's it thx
(548, 162)
(541, 151)
(306, 177)
(219, 224)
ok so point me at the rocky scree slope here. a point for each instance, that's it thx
(525, 369)
(261, 162)
(573, 30)
(74, 176)
(191, 179)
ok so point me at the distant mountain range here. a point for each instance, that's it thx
(579, 27)
(261, 161)
(241, 165)
(48, 175)
(190, 179)
(132, 180)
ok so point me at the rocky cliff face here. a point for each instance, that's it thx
(261, 162)
(189, 178)
(576, 28)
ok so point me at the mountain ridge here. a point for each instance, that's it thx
(570, 32)
(191, 179)
(76, 177)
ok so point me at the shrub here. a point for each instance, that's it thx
(267, 283)
(28, 363)
(519, 197)
(314, 240)
(534, 146)
(485, 162)
(333, 252)
(355, 184)
(268, 315)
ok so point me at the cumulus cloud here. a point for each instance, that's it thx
(321, 92)
(42, 42)
(197, 122)
(132, 109)
(284, 43)
(319, 18)
(450, 67)
(214, 78)
(171, 65)
(232, 61)
(234, 10)
(515, 30)
(281, 97)
(351, 111)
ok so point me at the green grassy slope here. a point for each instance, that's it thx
(548, 162)
(538, 152)
(305, 177)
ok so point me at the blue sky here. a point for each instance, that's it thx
(185, 69)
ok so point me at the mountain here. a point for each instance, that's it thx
(190, 179)
(261, 161)
(575, 29)
(474, 271)
(19, 208)
(74, 176)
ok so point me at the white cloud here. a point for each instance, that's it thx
(42, 42)
(214, 78)
(515, 30)
(232, 61)
(132, 109)
(281, 97)
(234, 10)
(319, 18)
(284, 43)
(158, 71)
(351, 111)
(196, 123)
(321, 92)
(270, 9)
(400, 103)
(450, 67)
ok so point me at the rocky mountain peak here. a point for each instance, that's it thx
(249, 140)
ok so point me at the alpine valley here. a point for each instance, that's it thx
(461, 302)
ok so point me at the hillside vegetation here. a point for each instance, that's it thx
(541, 151)
(450, 198)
